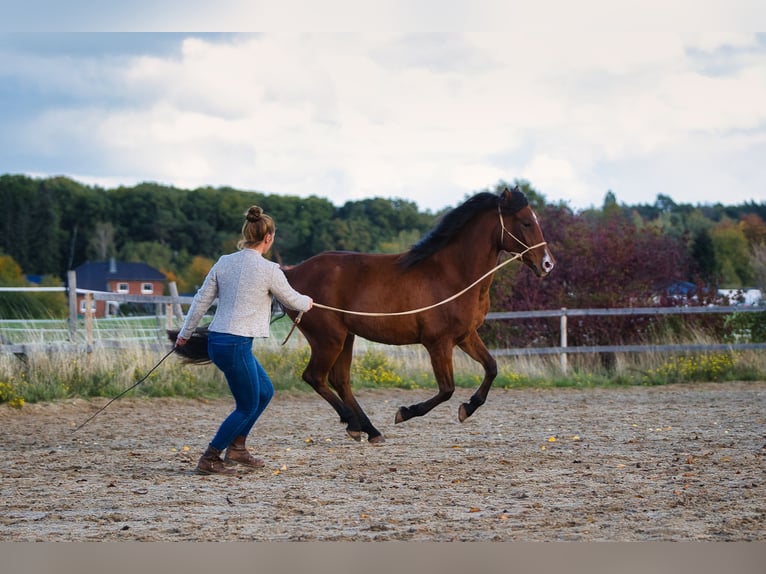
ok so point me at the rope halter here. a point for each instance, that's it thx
(504, 230)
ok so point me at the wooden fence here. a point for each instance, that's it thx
(80, 333)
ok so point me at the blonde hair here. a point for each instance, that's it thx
(257, 225)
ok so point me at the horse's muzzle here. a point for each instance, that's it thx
(546, 265)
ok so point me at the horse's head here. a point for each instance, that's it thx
(521, 233)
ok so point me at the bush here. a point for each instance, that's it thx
(712, 367)
(746, 327)
(10, 394)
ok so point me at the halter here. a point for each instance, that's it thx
(504, 230)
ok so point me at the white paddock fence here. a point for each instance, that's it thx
(86, 334)
(563, 350)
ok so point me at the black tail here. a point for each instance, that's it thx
(195, 350)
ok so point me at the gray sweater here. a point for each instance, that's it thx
(244, 283)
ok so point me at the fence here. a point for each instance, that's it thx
(169, 307)
(563, 350)
(76, 334)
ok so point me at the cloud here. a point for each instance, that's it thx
(429, 117)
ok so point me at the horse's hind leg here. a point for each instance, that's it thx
(475, 348)
(340, 379)
(441, 361)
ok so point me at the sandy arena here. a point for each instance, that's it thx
(675, 463)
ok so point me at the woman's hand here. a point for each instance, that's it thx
(180, 341)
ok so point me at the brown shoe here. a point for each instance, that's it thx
(237, 453)
(210, 463)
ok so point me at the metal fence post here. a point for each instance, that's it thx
(563, 327)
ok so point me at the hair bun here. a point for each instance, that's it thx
(254, 213)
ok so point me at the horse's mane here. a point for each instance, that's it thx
(453, 221)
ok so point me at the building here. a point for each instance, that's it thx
(116, 277)
(751, 296)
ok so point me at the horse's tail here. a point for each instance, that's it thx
(195, 350)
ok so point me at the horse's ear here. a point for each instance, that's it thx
(513, 200)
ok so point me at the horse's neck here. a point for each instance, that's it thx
(474, 252)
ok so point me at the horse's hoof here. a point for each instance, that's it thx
(356, 435)
(379, 439)
(462, 413)
(401, 415)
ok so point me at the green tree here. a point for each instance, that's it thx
(703, 254)
(21, 305)
(732, 255)
(18, 194)
(157, 255)
(101, 243)
(401, 243)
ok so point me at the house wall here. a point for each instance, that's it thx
(134, 288)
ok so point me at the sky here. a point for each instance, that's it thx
(424, 101)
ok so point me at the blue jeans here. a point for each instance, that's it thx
(248, 382)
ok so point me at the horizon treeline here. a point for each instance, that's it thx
(51, 225)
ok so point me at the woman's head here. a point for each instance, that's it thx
(256, 227)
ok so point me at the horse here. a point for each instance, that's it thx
(373, 296)
(435, 294)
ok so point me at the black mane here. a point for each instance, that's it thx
(453, 221)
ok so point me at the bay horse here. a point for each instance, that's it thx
(371, 296)
(436, 294)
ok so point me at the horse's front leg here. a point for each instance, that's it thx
(474, 347)
(340, 379)
(441, 362)
(316, 375)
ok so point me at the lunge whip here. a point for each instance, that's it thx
(126, 390)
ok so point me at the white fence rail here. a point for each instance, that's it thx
(563, 350)
(88, 334)
(85, 333)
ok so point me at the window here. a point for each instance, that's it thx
(147, 288)
(122, 288)
(92, 305)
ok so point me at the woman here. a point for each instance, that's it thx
(244, 283)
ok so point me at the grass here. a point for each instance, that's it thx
(47, 376)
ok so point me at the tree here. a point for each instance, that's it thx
(754, 229)
(758, 264)
(703, 254)
(11, 274)
(601, 262)
(19, 305)
(402, 242)
(732, 255)
(610, 207)
(664, 203)
(155, 254)
(101, 244)
(197, 271)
